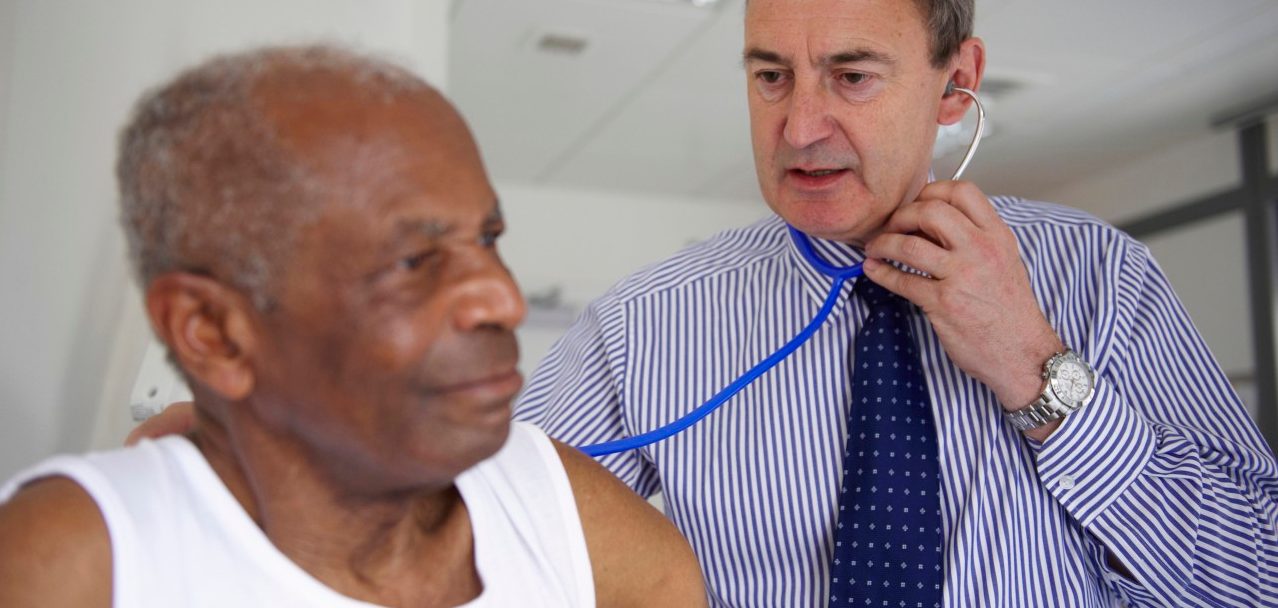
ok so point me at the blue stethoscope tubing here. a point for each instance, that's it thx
(840, 274)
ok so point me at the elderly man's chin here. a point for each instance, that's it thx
(478, 425)
(479, 439)
(446, 449)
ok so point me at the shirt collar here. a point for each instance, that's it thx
(815, 283)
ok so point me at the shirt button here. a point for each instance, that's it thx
(1067, 482)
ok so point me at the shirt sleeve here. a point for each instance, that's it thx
(575, 395)
(1164, 468)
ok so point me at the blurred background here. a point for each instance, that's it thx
(616, 132)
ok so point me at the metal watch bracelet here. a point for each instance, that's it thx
(1038, 414)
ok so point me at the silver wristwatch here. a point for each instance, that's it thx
(1068, 382)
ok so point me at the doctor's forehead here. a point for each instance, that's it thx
(834, 32)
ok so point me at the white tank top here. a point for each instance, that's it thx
(179, 538)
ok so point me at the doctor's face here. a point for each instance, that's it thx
(844, 104)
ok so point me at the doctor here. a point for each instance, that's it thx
(1135, 476)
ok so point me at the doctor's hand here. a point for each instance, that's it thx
(176, 419)
(978, 297)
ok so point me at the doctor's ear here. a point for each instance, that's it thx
(209, 328)
(965, 71)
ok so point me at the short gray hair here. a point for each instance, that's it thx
(205, 186)
(948, 22)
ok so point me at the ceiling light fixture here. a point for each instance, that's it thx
(562, 43)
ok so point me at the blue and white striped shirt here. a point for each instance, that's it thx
(1163, 468)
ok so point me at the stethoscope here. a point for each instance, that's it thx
(840, 274)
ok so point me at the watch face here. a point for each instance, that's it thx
(1071, 382)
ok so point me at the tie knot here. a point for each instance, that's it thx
(874, 296)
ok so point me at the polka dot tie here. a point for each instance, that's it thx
(888, 540)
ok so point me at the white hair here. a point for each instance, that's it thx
(205, 186)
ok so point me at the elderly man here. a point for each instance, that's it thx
(315, 236)
(912, 453)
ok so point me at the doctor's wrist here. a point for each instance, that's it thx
(1025, 380)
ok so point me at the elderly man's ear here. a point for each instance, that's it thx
(209, 328)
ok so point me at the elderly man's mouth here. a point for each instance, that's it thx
(496, 385)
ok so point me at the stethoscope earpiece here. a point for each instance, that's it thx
(980, 127)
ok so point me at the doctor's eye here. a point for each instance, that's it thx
(771, 84)
(854, 78)
(769, 76)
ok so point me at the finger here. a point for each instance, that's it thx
(177, 419)
(912, 250)
(967, 198)
(935, 218)
(917, 289)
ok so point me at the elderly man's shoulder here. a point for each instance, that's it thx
(637, 555)
(54, 547)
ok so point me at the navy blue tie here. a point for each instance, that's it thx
(887, 549)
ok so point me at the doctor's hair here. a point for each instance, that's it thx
(206, 187)
(948, 22)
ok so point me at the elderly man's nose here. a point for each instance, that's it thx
(490, 298)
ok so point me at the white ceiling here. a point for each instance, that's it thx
(655, 103)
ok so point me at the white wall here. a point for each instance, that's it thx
(1205, 262)
(71, 331)
(584, 241)
(7, 12)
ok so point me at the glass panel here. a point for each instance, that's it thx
(1272, 122)
(1207, 265)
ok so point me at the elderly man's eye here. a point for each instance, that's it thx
(489, 238)
(417, 260)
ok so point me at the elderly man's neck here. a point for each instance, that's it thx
(363, 542)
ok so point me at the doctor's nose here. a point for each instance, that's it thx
(808, 119)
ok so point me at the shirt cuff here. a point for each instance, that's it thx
(1095, 454)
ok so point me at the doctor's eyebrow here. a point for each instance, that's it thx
(755, 54)
(858, 56)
